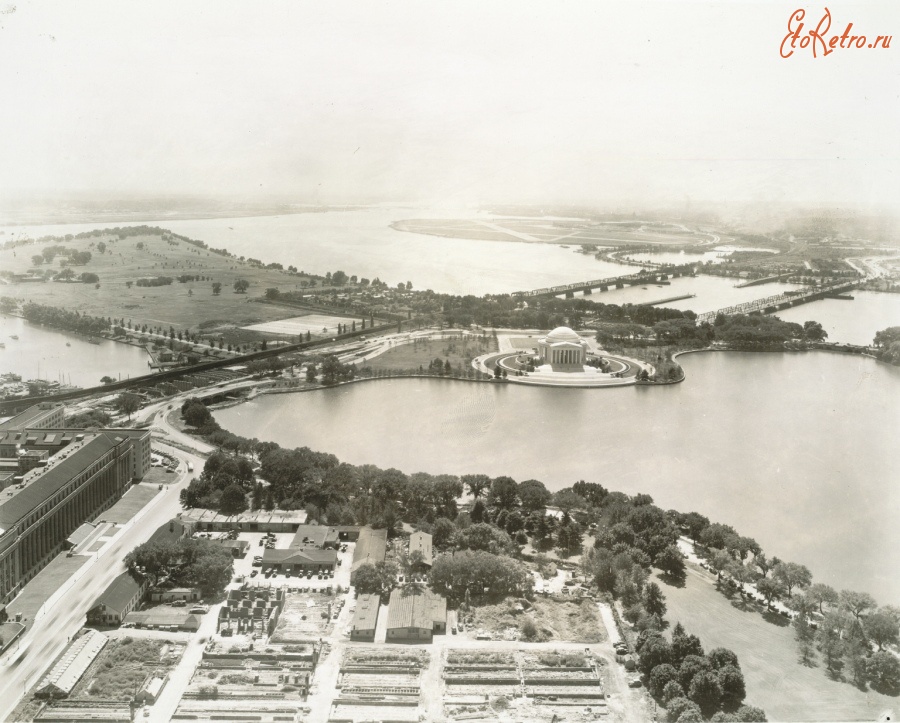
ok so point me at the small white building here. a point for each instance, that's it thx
(563, 347)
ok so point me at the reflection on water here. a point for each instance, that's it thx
(68, 358)
(362, 242)
(795, 450)
(850, 322)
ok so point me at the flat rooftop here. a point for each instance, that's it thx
(41, 483)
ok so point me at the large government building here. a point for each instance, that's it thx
(562, 347)
(51, 482)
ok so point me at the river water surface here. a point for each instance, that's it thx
(48, 354)
(795, 450)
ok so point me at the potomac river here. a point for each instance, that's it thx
(795, 450)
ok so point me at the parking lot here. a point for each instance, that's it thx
(246, 572)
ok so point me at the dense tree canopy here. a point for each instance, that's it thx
(184, 563)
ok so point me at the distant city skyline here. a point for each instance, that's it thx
(451, 104)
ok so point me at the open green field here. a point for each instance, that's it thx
(459, 351)
(776, 681)
(185, 306)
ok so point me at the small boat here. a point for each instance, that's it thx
(2, 345)
(92, 340)
(13, 336)
(68, 344)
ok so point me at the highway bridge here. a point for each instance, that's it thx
(655, 276)
(771, 304)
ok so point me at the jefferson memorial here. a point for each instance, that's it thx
(562, 347)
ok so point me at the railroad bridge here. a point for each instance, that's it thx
(771, 304)
(654, 276)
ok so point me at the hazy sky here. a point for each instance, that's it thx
(447, 102)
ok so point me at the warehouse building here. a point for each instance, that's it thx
(122, 596)
(365, 618)
(415, 614)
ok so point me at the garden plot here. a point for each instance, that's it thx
(304, 618)
(124, 665)
(473, 675)
(379, 684)
(296, 325)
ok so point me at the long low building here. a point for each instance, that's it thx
(371, 548)
(76, 659)
(365, 618)
(43, 507)
(415, 614)
(300, 560)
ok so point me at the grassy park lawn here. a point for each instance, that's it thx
(185, 306)
(458, 350)
(776, 681)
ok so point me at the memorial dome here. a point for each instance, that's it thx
(562, 333)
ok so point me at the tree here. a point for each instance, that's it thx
(731, 681)
(233, 500)
(882, 628)
(503, 493)
(568, 500)
(654, 600)
(106, 380)
(883, 670)
(689, 668)
(856, 603)
(660, 677)
(216, 288)
(791, 575)
(311, 372)
(37, 259)
(533, 495)
(671, 691)
(706, 692)
(654, 652)
(670, 561)
(376, 579)
(476, 484)
(482, 574)
(678, 707)
(442, 533)
(685, 646)
(769, 589)
(750, 714)
(485, 537)
(820, 594)
(241, 286)
(196, 414)
(128, 403)
(722, 657)
(813, 331)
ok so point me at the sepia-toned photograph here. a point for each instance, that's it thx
(449, 362)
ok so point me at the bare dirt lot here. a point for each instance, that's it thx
(553, 619)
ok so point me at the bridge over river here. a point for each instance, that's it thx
(655, 276)
(771, 304)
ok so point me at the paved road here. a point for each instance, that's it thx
(22, 668)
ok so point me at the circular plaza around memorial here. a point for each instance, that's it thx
(562, 357)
